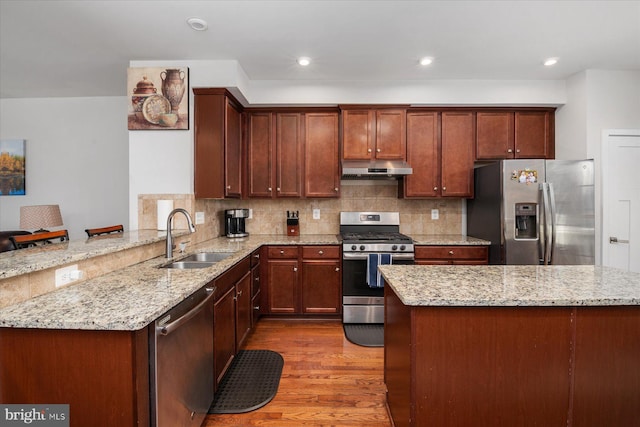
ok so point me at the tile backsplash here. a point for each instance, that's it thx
(269, 215)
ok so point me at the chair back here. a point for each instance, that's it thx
(104, 230)
(5, 242)
(21, 242)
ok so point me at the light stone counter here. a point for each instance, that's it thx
(448, 240)
(422, 285)
(133, 297)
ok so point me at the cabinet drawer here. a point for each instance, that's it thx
(320, 252)
(451, 252)
(283, 252)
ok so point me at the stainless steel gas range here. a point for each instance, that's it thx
(369, 239)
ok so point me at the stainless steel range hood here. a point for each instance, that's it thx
(368, 169)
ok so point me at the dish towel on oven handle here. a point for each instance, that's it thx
(374, 278)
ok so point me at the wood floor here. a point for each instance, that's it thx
(326, 380)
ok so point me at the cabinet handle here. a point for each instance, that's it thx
(518, 150)
(239, 293)
(444, 188)
(281, 252)
(450, 252)
(368, 150)
(278, 189)
(269, 189)
(295, 268)
(257, 256)
(509, 150)
(228, 187)
(435, 188)
(335, 189)
(257, 308)
(257, 279)
(337, 268)
(377, 150)
(320, 252)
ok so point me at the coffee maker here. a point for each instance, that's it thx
(234, 224)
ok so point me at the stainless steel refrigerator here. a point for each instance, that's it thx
(535, 211)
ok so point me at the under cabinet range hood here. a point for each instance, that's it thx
(369, 169)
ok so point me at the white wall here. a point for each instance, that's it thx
(76, 156)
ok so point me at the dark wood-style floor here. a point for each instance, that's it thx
(326, 380)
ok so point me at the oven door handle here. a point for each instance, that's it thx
(360, 255)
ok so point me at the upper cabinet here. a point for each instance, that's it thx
(321, 157)
(217, 144)
(423, 154)
(457, 138)
(515, 134)
(373, 133)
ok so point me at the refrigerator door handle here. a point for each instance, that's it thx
(546, 235)
(552, 238)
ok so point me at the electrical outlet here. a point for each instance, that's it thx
(67, 275)
(199, 218)
(316, 214)
(435, 214)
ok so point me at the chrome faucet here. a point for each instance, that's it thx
(192, 228)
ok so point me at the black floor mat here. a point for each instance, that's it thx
(365, 334)
(250, 383)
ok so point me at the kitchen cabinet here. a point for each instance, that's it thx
(447, 255)
(321, 280)
(441, 148)
(321, 155)
(255, 287)
(217, 144)
(275, 154)
(515, 135)
(303, 280)
(231, 315)
(373, 133)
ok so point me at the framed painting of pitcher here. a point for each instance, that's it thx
(159, 98)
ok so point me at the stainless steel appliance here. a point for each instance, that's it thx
(535, 211)
(365, 235)
(181, 354)
(234, 222)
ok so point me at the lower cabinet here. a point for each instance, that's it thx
(302, 280)
(448, 255)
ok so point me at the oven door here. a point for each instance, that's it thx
(361, 303)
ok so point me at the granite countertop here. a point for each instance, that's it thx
(567, 285)
(133, 297)
(448, 240)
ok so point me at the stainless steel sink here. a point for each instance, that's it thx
(188, 264)
(207, 257)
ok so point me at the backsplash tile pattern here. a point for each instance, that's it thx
(269, 215)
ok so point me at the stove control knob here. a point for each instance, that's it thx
(403, 247)
(354, 247)
(362, 247)
(394, 247)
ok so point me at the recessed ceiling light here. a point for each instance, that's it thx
(426, 60)
(550, 61)
(197, 24)
(304, 61)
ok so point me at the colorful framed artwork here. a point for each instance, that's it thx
(159, 98)
(12, 167)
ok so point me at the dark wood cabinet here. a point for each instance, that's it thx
(255, 287)
(321, 154)
(260, 154)
(303, 280)
(217, 144)
(423, 154)
(447, 255)
(515, 135)
(321, 280)
(457, 140)
(244, 311)
(373, 133)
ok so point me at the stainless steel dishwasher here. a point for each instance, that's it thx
(181, 357)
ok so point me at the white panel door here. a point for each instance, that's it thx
(621, 199)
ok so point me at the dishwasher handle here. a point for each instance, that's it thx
(170, 327)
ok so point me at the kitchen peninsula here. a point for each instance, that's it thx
(512, 345)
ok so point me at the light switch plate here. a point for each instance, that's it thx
(435, 214)
(316, 214)
(199, 218)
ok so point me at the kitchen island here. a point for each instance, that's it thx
(512, 345)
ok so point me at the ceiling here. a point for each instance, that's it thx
(82, 48)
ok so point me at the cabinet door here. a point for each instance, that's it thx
(208, 146)
(260, 155)
(233, 153)
(289, 159)
(358, 134)
(391, 134)
(458, 138)
(322, 175)
(243, 309)
(422, 155)
(533, 138)
(282, 284)
(494, 135)
(224, 333)
(321, 291)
